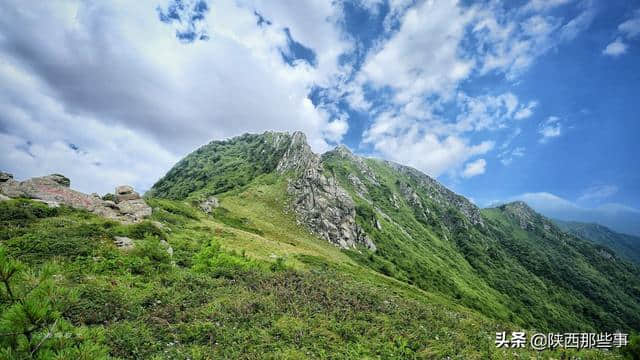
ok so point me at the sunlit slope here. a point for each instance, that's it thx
(508, 263)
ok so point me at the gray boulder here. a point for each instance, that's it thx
(135, 210)
(126, 192)
(209, 204)
(4, 176)
(123, 242)
(54, 191)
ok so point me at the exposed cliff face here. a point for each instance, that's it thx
(318, 201)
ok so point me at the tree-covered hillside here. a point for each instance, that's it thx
(625, 246)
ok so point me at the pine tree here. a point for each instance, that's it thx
(32, 325)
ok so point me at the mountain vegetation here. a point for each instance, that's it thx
(264, 270)
(625, 246)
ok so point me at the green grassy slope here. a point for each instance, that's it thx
(625, 246)
(249, 281)
(539, 277)
(211, 300)
(427, 237)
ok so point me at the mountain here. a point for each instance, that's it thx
(625, 246)
(508, 262)
(256, 247)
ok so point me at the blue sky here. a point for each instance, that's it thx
(531, 99)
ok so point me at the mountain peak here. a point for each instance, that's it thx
(522, 212)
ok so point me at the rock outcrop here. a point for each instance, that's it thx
(319, 202)
(209, 204)
(54, 190)
(125, 192)
(521, 212)
(440, 194)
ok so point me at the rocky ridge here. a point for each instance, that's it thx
(54, 190)
(437, 192)
(319, 202)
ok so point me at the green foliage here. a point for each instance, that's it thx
(31, 322)
(212, 260)
(227, 218)
(222, 304)
(632, 350)
(109, 197)
(499, 269)
(221, 166)
(625, 246)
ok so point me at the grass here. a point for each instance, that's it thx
(223, 295)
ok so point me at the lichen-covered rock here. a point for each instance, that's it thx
(167, 247)
(60, 179)
(344, 153)
(319, 202)
(361, 189)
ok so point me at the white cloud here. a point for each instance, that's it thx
(474, 168)
(430, 54)
(336, 129)
(506, 157)
(543, 5)
(406, 140)
(616, 48)
(598, 192)
(550, 128)
(112, 79)
(526, 111)
(631, 27)
(422, 57)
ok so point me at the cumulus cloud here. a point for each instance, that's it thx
(407, 140)
(474, 168)
(113, 79)
(525, 111)
(550, 128)
(629, 29)
(437, 46)
(615, 48)
(432, 30)
(167, 77)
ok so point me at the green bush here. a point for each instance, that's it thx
(25, 210)
(632, 350)
(212, 260)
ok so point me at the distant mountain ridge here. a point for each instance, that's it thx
(626, 246)
(507, 262)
